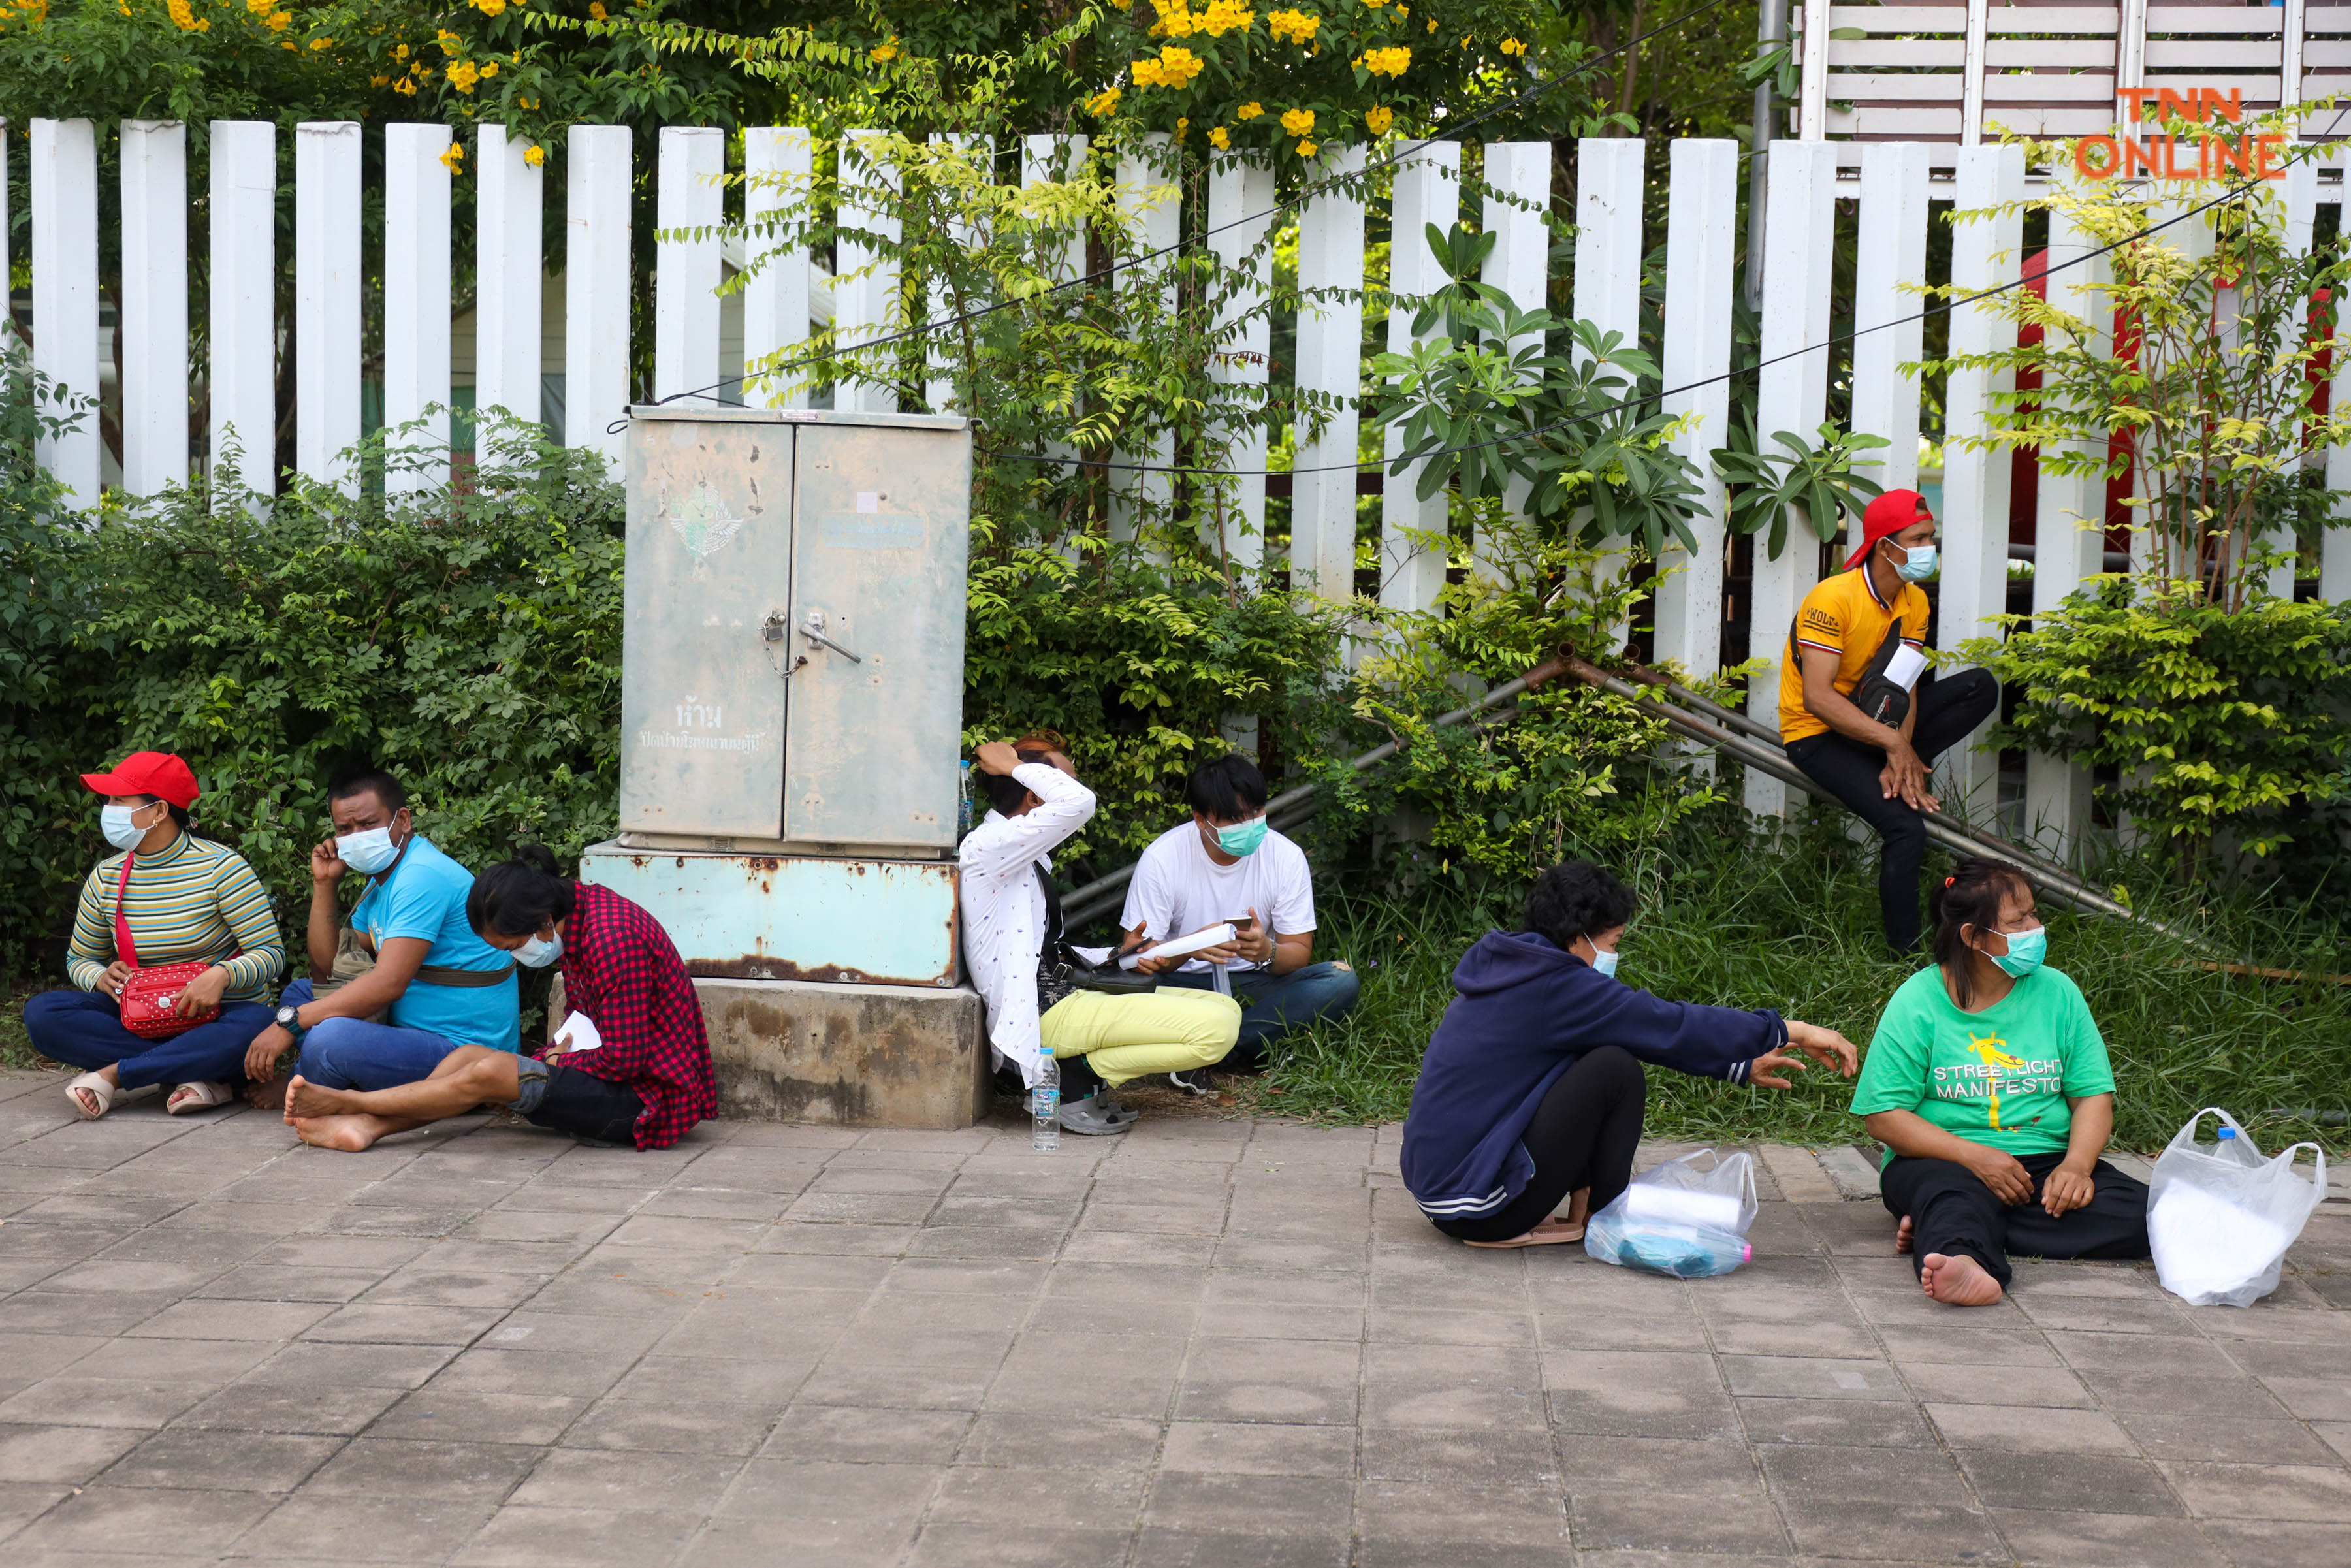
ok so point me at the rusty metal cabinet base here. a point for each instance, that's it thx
(849, 1056)
(756, 916)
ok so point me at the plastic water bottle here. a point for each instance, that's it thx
(1044, 1106)
(963, 804)
(2231, 1146)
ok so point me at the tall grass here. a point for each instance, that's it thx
(1789, 921)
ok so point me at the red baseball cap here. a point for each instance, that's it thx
(149, 773)
(1888, 514)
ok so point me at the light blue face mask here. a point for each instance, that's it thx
(538, 954)
(121, 831)
(369, 853)
(1919, 565)
(1241, 838)
(2026, 949)
(1603, 961)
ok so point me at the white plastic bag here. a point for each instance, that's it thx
(1678, 1219)
(2218, 1220)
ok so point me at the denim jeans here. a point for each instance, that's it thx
(347, 1053)
(1273, 1004)
(84, 1030)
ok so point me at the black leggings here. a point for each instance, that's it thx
(1583, 1135)
(1951, 1211)
(1948, 710)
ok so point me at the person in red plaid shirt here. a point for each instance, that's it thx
(630, 1062)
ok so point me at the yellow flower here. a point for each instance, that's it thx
(534, 155)
(405, 85)
(1298, 122)
(596, 12)
(882, 54)
(489, 7)
(379, 82)
(279, 20)
(1432, 23)
(401, 53)
(1182, 125)
(1390, 62)
(1176, 18)
(1178, 66)
(1102, 102)
(260, 7)
(1306, 150)
(1512, 47)
(1377, 121)
(1145, 72)
(1219, 137)
(292, 48)
(450, 42)
(1403, 13)
(1224, 16)
(526, 103)
(452, 157)
(322, 43)
(463, 75)
(1248, 111)
(1295, 25)
(124, 9)
(183, 16)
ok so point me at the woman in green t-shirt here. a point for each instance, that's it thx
(1988, 1081)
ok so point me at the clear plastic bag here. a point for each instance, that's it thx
(1680, 1220)
(2219, 1219)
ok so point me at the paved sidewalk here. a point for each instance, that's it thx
(1207, 1343)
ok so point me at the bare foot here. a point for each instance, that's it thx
(306, 1100)
(1957, 1281)
(269, 1096)
(1902, 1234)
(348, 1134)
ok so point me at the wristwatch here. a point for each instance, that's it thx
(289, 1019)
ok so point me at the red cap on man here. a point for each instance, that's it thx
(1888, 514)
(157, 773)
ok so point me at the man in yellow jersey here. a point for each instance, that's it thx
(1859, 714)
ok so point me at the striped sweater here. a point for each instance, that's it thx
(197, 902)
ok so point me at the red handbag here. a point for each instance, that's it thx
(148, 996)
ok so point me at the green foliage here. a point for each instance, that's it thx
(2215, 722)
(1815, 484)
(468, 640)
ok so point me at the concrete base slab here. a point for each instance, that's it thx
(851, 1056)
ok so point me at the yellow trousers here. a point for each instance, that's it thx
(1172, 1029)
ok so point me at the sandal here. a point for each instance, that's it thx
(101, 1089)
(1551, 1232)
(202, 1096)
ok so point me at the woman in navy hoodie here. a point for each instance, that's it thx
(1532, 1089)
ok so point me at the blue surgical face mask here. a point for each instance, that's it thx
(538, 954)
(1241, 838)
(1919, 565)
(2026, 949)
(121, 831)
(1603, 961)
(369, 853)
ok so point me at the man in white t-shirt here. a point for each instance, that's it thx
(1227, 865)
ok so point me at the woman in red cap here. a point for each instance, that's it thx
(185, 900)
(1858, 712)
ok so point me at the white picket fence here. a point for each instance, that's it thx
(510, 354)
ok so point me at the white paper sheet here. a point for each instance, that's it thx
(1181, 946)
(1906, 665)
(578, 1033)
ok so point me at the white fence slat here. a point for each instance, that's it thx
(1701, 236)
(865, 280)
(1893, 254)
(1520, 261)
(778, 163)
(507, 263)
(1974, 522)
(686, 270)
(2300, 194)
(1242, 188)
(416, 304)
(1149, 197)
(154, 305)
(1427, 192)
(244, 330)
(940, 304)
(1609, 180)
(1050, 160)
(1330, 360)
(2069, 537)
(65, 294)
(326, 268)
(1792, 396)
(599, 170)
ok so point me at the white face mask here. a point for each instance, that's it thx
(368, 852)
(538, 954)
(1604, 961)
(115, 822)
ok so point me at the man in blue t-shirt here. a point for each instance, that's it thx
(434, 985)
